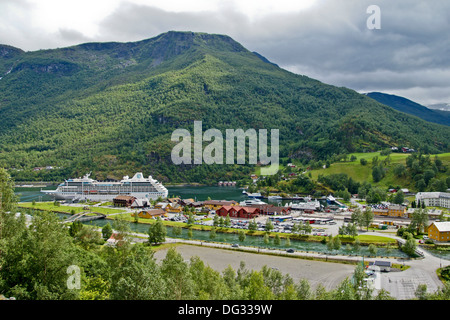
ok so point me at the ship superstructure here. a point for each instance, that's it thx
(86, 188)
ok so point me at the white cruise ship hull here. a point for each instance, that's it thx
(92, 190)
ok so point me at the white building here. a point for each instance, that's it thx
(434, 199)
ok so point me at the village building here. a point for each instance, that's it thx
(439, 231)
(238, 212)
(152, 213)
(174, 208)
(123, 201)
(397, 211)
(434, 199)
(217, 204)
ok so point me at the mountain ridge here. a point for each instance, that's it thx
(408, 106)
(109, 107)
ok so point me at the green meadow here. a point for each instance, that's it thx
(361, 173)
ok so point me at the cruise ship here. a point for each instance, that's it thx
(89, 189)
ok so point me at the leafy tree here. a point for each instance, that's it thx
(139, 277)
(409, 247)
(157, 232)
(107, 231)
(241, 235)
(269, 225)
(419, 219)
(367, 217)
(399, 197)
(177, 277)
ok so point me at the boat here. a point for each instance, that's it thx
(86, 188)
(255, 195)
(275, 198)
(251, 202)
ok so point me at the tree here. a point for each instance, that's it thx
(176, 274)
(37, 267)
(367, 217)
(269, 225)
(419, 219)
(139, 277)
(357, 216)
(252, 225)
(107, 231)
(399, 170)
(377, 173)
(157, 232)
(409, 247)
(8, 199)
(212, 233)
(372, 249)
(241, 235)
(399, 197)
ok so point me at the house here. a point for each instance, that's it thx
(227, 211)
(152, 213)
(433, 214)
(161, 205)
(186, 202)
(123, 201)
(434, 199)
(196, 204)
(174, 208)
(439, 231)
(114, 240)
(217, 204)
(248, 212)
(396, 210)
(270, 209)
(139, 203)
(390, 211)
(238, 212)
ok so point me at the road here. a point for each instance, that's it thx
(401, 285)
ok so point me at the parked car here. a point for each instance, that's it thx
(290, 250)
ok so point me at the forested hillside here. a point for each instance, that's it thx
(111, 108)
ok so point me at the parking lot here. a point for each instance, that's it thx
(323, 226)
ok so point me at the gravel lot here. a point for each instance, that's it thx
(329, 274)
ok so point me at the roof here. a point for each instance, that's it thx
(228, 208)
(154, 212)
(218, 202)
(432, 195)
(381, 263)
(442, 226)
(124, 198)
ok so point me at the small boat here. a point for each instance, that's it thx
(256, 195)
(274, 198)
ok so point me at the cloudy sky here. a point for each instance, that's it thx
(328, 40)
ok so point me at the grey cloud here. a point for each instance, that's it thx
(329, 41)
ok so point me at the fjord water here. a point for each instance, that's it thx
(198, 193)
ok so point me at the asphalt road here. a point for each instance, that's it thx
(401, 285)
(329, 274)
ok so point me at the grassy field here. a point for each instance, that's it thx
(50, 206)
(361, 173)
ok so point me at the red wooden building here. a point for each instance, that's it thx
(238, 212)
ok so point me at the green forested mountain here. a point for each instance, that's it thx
(405, 105)
(111, 108)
